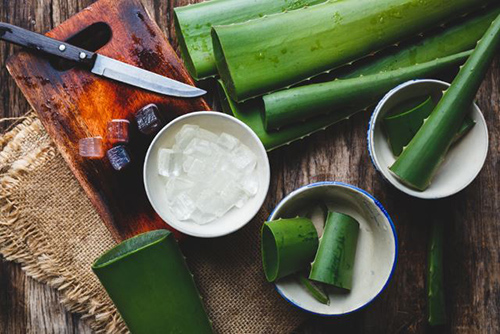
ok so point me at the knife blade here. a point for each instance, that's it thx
(99, 64)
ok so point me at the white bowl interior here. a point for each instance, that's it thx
(464, 160)
(376, 250)
(155, 184)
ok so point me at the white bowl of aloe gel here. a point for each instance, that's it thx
(376, 251)
(464, 160)
(219, 179)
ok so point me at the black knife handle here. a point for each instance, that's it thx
(34, 41)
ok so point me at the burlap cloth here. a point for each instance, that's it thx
(48, 225)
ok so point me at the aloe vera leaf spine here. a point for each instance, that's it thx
(436, 306)
(194, 22)
(314, 289)
(150, 284)
(334, 261)
(421, 159)
(264, 55)
(287, 246)
(300, 103)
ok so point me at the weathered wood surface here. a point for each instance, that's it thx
(472, 252)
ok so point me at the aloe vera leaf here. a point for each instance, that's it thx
(436, 307)
(267, 54)
(334, 261)
(420, 160)
(300, 103)
(288, 246)
(314, 289)
(150, 284)
(402, 126)
(456, 38)
(194, 22)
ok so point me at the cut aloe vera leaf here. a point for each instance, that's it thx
(301, 103)
(334, 261)
(401, 126)
(313, 288)
(194, 22)
(151, 286)
(419, 161)
(436, 306)
(261, 56)
(318, 214)
(288, 246)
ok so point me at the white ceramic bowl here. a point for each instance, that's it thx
(155, 184)
(376, 252)
(464, 160)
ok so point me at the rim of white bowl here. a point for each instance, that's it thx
(249, 131)
(385, 213)
(374, 158)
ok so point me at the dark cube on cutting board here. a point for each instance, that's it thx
(72, 104)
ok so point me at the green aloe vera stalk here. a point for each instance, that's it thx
(401, 126)
(267, 54)
(313, 288)
(435, 286)
(150, 284)
(334, 261)
(300, 103)
(456, 38)
(420, 160)
(288, 246)
(194, 22)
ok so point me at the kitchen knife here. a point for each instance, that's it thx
(98, 64)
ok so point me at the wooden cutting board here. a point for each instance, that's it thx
(73, 104)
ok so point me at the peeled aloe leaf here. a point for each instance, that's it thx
(313, 288)
(194, 22)
(267, 54)
(402, 126)
(318, 214)
(421, 159)
(435, 288)
(150, 284)
(300, 103)
(334, 261)
(288, 246)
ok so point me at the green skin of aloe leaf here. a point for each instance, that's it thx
(436, 307)
(402, 125)
(288, 246)
(457, 38)
(151, 286)
(313, 288)
(194, 22)
(271, 53)
(300, 103)
(418, 163)
(334, 261)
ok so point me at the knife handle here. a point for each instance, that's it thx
(37, 42)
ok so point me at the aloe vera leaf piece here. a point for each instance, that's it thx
(420, 160)
(456, 38)
(401, 127)
(313, 288)
(436, 307)
(267, 54)
(288, 246)
(300, 103)
(334, 261)
(194, 22)
(150, 284)
(318, 214)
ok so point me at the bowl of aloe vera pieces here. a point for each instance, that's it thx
(397, 119)
(329, 247)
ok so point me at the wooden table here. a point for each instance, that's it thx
(472, 248)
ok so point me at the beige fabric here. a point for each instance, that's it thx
(48, 225)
